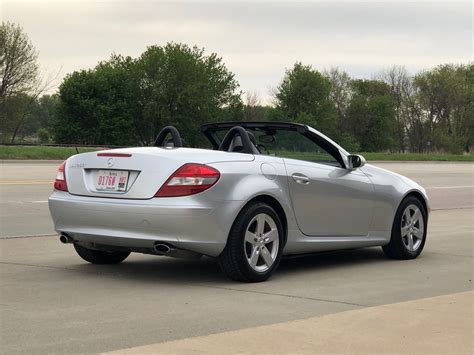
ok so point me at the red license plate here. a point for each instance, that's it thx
(111, 180)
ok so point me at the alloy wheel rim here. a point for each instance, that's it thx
(261, 242)
(412, 228)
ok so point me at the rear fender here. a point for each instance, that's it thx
(244, 182)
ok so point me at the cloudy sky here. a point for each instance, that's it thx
(257, 39)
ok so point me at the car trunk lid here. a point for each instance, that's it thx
(134, 173)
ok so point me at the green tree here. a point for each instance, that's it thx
(18, 61)
(184, 87)
(13, 109)
(445, 97)
(126, 101)
(304, 95)
(43, 135)
(371, 116)
(96, 106)
(340, 93)
(18, 79)
(403, 97)
(253, 110)
(45, 110)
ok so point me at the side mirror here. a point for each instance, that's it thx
(355, 161)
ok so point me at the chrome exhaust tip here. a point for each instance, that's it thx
(163, 249)
(65, 239)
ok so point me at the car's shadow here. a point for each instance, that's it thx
(331, 260)
(206, 270)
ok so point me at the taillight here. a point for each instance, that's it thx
(60, 182)
(188, 180)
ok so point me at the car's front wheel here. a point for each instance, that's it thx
(255, 244)
(101, 257)
(408, 230)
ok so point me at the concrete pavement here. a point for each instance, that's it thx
(437, 325)
(24, 191)
(53, 302)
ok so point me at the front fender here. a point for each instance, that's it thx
(390, 190)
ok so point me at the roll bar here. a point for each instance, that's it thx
(160, 138)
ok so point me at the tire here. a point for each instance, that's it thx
(101, 257)
(408, 230)
(250, 247)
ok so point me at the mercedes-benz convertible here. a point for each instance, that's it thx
(261, 191)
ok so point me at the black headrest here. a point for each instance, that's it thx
(247, 145)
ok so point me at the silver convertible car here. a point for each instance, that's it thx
(261, 191)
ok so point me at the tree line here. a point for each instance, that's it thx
(126, 101)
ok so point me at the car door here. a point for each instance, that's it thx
(327, 198)
(330, 200)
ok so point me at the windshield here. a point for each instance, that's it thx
(287, 143)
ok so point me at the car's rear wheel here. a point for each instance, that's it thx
(408, 230)
(254, 246)
(101, 257)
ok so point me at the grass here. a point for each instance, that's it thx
(386, 156)
(58, 153)
(418, 157)
(40, 152)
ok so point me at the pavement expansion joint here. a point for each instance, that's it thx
(293, 296)
(449, 254)
(27, 236)
(217, 287)
(34, 265)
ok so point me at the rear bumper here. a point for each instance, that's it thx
(184, 222)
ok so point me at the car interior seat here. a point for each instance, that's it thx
(236, 145)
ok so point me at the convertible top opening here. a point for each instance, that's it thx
(267, 138)
(211, 130)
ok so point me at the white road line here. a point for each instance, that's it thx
(39, 201)
(24, 182)
(451, 187)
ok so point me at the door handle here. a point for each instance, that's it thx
(300, 178)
